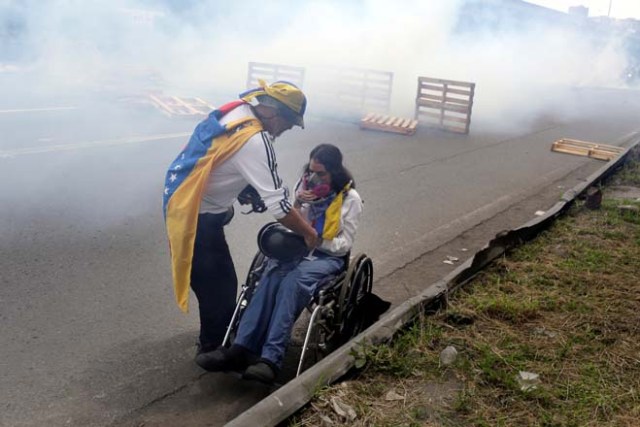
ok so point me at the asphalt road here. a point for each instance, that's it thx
(90, 332)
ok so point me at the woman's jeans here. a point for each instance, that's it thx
(284, 290)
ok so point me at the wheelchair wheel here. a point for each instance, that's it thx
(361, 283)
(248, 289)
(310, 349)
(255, 270)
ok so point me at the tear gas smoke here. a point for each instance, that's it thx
(92, 55)
(191, 47)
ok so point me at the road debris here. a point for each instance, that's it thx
(448, 356)
(326, 421)
(451, 260)
(629, 209)
(545, 332)
(392, 395)
(584, 148)
(342, 409)
(528, 380)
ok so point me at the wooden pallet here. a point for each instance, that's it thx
(351, 92)
(176, 106)
(274, 72)
(444, 104)
(589, 149)
(381, 122)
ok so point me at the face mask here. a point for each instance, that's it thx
(316, 186)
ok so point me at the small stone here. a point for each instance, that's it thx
(448, 261)
(545, 332)
(326, 421)
(528, 380)
(539, 213)
(342, 409)
(392, 395)
(448, 356)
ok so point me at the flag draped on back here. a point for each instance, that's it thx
(210, 144)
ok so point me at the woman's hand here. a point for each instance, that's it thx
(306, 196)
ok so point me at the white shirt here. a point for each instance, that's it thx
(255, 164)
(349, 220)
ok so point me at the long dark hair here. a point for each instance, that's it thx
(330, 157)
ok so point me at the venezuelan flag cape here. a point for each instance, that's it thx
(211, 144)
(327, 217)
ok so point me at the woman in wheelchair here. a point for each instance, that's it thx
(327, 199)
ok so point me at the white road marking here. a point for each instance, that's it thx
(34, 110)
(91, 144)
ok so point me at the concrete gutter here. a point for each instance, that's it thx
(288, 399)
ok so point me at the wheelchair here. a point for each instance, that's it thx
(335, 309)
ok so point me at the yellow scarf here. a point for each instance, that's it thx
(328, 224)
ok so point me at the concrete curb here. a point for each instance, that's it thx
(285, 401)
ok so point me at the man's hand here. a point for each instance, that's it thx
(294, 222)
(313, 240)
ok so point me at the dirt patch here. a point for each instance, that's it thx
(623, 192)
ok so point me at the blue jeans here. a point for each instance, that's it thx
(284, 290)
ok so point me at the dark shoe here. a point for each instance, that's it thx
(200, 348)
(263, 371)
(234, 358)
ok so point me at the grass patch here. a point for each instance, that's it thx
(565, 306)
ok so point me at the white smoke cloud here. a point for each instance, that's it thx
(202, 48)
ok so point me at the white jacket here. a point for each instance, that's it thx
(255, 164)
(349, 221)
